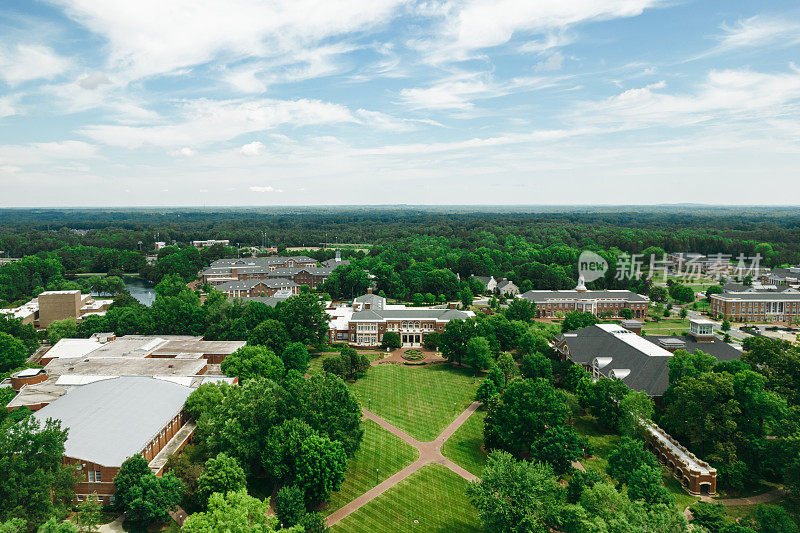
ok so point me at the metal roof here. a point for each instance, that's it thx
(573, 295)
(113, 419)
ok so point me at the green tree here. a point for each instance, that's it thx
(222, 474)
(314, 523)
(533, 341)
(235, 512)
(290, 506)
(305, 319)
(90, 514)
(486, 390)
(521, 309)
(52, 525)
(558, 446)
(143, 497)
(577, 320)
(12, 352)
(453, 340)
(626, 313)
(466, 297)
(681, 293)
(62, 329)
(295, 357)
(536, 365)
(514, 496)
(252, 362)
(478, 354)
(683, 313)
(602, 399)
(524, 410)
(270, 333)
(726, 326)
(320, 467)
(635, 409)
(34, 484)
(627, 457)
(391, 341)
(506, 363)
(645, 483)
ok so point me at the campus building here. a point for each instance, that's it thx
(551, 304)
(619, 351)
(50, 306)
(253, 288)
(766, 306)
(296, 268)
(787, 277)
(369, 317)
(111, 420)
(77, 362)
(210, 242)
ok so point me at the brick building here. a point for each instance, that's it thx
(776, 307)
(550, 304)
(252, 288)
(226, 270)
(113, 419)
(370, 317)
(613, 351)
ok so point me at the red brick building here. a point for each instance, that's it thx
(551, 304)
(113, 419)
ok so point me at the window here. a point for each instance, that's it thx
(80, 498)
(99, 498)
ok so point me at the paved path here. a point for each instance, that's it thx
(396, 357)
(771, 496)
(429, 452)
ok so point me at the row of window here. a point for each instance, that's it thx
(100, 498)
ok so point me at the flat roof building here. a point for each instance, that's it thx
(111, 420)
(551, 304)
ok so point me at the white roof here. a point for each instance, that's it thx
(113, 419)
(635, 341)
(73, 348)
(28, 372)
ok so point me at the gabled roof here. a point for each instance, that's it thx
(113, 419)
(247, 284)
(505, 283)
(561, 295)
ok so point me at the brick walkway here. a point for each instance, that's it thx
(429, 452)
(771, 496)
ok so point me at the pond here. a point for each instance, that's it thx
(141, 289)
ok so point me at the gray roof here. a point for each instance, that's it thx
(482, 279)
(648, 372)
(114, 419)
(247, 284)
(767, 296)
(409, 314)
(505, 283)
(719, 349)
(543, 296)
(630, 352)
(333, 263)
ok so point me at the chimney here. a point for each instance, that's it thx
(453, 305)
(632, 325)
(338, 256)
(369, 290)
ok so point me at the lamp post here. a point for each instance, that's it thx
(376, 476)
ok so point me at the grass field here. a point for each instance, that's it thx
(379, 449)
(422, 401)
(315, 362)
(464, 447)
(601, 443)
(682, 498)
(431, 500)
(667, 326)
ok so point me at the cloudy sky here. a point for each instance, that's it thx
(290, 102)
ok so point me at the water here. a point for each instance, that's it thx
(141, 289)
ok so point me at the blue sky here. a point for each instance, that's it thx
(292, 102)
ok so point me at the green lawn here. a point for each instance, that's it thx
(601, 443)
(422, 401)
(667, 326)
(315, 362)
(464, 447)
(682, 498)
(432, 499)
(379, 449)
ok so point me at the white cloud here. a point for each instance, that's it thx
(382, 121)
(149, 38)
(759, 31)
(476, 24)
(554, 62)
(253, 148)
(7, 107)
(23, 155)
(457, 92)
(204, 121)
(94, 80)
(725, 96)
(27, 62)
(267, 188)
(183, 152)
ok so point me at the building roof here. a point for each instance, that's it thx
(411, 313)
(113, 419)
(505, 283)
(621, 353)
(758, 296)
(717, 348)
(126, 366)
(247, 284)
(563, 295)
(483, 279)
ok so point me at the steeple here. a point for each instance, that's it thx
(581, 287)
